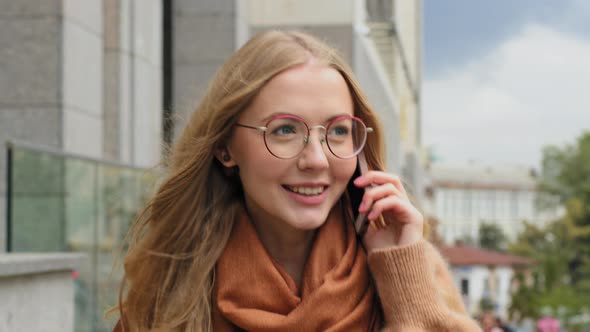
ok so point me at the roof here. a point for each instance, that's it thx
(462, 255)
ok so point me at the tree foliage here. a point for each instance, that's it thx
(492, 237)
(566, 175)
(560, 279)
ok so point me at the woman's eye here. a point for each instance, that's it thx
(285, 130)
(340, 131)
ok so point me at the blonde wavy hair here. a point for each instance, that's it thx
(178, 238)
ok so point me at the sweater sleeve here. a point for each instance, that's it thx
(417, 291)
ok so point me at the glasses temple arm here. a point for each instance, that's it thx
(263, 129)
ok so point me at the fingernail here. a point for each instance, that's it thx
(358, 180)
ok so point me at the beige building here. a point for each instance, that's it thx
(463, 197)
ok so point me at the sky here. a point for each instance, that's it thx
(504, 78)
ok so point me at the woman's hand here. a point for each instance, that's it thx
(387, 197)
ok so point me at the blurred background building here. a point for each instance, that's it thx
(485, 278)
(92, 91)
(477, 211)
(462, 198)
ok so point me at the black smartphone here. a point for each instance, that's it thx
(361, 223)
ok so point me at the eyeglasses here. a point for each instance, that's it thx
(285, 136)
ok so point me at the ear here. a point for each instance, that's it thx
(224, 157)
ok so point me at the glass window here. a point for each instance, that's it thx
(464, 286)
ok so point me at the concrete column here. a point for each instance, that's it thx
(133, 81)
(82, 77)
(145, 22)
(113, 52)
(204, 37)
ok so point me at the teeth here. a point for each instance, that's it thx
(307, 190)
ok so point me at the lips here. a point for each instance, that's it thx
(306, 190)
(307, 194)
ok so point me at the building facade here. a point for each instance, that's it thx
(485, 276)
(461, 198)
(82, 77)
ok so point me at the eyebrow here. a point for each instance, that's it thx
(272, 115)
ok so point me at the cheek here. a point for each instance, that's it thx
(247, 150)
(256, 164)
(259, 172)
(344, 170)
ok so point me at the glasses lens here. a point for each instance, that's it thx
(285, 137)
(346, 137)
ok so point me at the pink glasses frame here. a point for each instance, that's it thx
(263, 129)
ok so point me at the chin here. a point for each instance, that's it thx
(310, 220)
(308, 226)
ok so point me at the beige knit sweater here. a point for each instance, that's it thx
(417, 291)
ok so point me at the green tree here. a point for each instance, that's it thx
(492, 237)
(549, 280)
(565, 180)
(560, 278)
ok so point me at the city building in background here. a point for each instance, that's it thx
(461, 198)
(485, 277)
(92, 92)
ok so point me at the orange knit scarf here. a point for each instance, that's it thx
(252, 292)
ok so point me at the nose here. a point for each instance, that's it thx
(315, 154)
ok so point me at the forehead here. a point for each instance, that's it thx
(311, 91)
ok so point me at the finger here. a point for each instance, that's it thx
(376, 193)
(395, 204)
(378, 177)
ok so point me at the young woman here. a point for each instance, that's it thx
(253, 227)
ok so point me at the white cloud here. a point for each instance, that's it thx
(531, 90)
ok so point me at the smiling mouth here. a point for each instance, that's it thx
(306, 191)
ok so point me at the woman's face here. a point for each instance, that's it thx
(297, 193)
